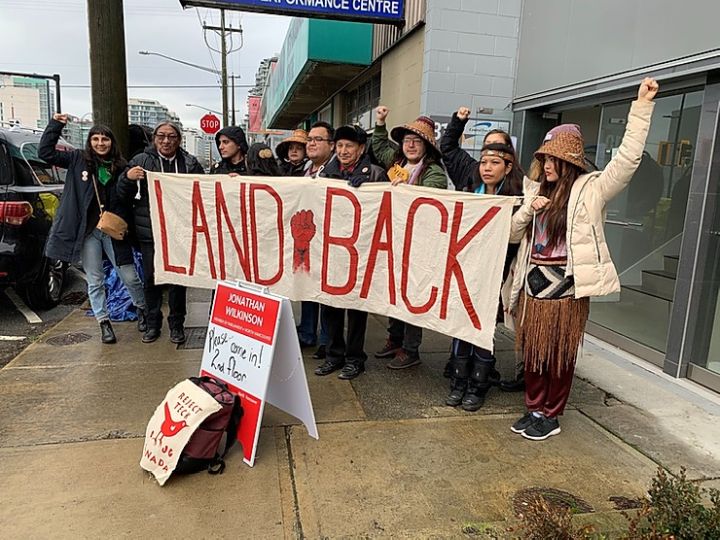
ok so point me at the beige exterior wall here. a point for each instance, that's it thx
(401, 82)
(20, 105)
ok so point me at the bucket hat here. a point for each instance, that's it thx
(424, 128)
(564, 142)
(298, 136)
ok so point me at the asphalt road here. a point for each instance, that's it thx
(16, 332)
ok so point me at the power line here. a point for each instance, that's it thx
(163, 86)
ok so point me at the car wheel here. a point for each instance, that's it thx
(45, 291)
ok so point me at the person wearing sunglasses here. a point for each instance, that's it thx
(164, 155)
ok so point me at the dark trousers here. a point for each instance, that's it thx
(307, 329)
(463, 349)
(177, 294)
(339, 349)
(547, 394)
(405, 335)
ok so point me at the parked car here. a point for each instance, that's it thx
(30, 193)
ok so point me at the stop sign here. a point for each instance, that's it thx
(210, 123)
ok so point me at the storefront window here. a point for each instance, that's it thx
(644, 223)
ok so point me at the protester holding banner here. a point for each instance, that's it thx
(473, 368)
(261, 161)
(416, 162)
(564, 259)
(233, 147)
(320, 149)
(165, 156)
(352, 164)
(90, 188)
(292, 155)
(465, 172)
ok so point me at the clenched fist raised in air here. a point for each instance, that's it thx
(302, 226)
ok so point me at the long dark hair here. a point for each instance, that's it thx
(429, 158)
(261, 162)
(559, 194)
(92, 160)
(512, 185)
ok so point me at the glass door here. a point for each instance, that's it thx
(644, 224)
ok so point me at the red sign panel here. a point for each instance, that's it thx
(210, 124)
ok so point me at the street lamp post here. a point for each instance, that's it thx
(203, 108)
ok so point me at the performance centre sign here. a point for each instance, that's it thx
(375, 11)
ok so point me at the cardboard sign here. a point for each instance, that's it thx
(184, 408)
(426, 256)
(249, 346)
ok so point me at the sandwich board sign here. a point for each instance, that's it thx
(252, 346)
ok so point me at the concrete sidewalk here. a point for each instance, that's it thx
(392, 460)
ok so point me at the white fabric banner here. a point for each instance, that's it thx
(429, 257)
(184, 408)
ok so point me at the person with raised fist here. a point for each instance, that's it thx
(563, 259)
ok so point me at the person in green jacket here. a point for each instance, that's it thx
(417, 160)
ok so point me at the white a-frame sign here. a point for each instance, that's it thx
(252, 346)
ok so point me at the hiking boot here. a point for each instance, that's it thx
(350, 371)
(389, 350)
(327, 367)
(542, 429)
(107, 335)
(404, 360)
(525, 422)
(177, 335)
(142, 320)
(320, 353)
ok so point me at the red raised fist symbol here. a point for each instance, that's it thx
(302, 225)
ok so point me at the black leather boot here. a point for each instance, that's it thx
(142, 320)
(460, 369)
(481, 378)
(107, 335)
(514, 385)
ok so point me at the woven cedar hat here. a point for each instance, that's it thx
(566, 144)
(424, 128)
(298, 136)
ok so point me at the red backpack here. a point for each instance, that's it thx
(202, 450)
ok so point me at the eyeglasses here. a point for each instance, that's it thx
(170, 137)
(317, 139)
(412, 140)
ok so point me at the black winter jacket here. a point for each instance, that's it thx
(461, 167)
(70, 226)
(363, 172)
(225, 167)
(128, 189)
(288, 169)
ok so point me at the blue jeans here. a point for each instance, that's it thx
(307, 329)
(92, 259)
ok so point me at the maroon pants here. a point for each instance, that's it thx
(547, 394)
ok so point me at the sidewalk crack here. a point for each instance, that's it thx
(296, 502)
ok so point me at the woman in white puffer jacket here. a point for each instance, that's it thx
(563, 260)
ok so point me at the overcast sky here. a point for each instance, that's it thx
(51, 36)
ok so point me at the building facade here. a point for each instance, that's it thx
(21, 102)
(200, 145)
(525, 66)
(149, 112)
(664, 230)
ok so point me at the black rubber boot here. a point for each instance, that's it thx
(141, 320)
(460, 370)
(107, 335)
(481, 379)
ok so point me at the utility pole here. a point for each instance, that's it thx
(108, 73)
(223, 32)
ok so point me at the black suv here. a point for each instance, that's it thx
(30, 193)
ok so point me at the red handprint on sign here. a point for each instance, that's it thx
(302, 225)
